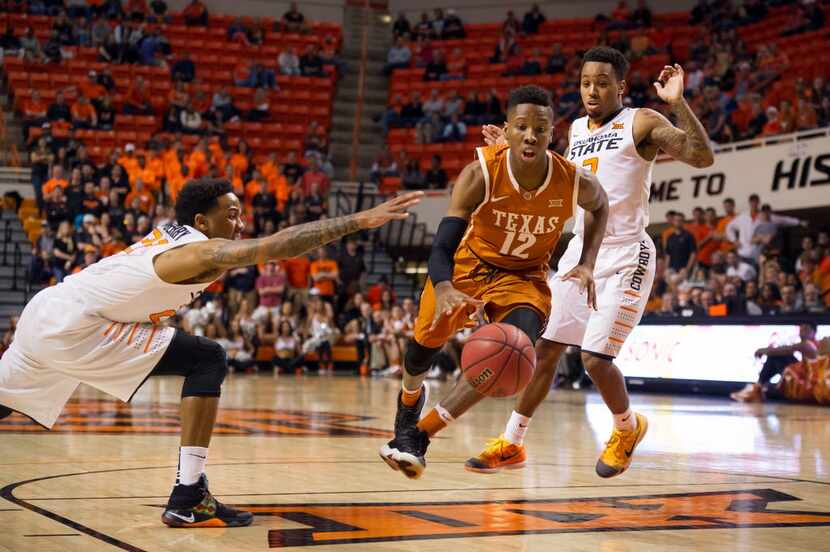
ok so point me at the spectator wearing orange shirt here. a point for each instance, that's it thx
(241, 159)
(128, 161)
(140, 198)
(177, 176)
(57, 181)
(197, 161)
(91, 88)
(83, 114)
(711, 241)
(236, 182)
(720, 229)
(324, 274)
(698, 228)
(195, 14)
(143, 172)
(257, 185)
(34, 113)
(137, 101)
(156, 163)
(297, 271)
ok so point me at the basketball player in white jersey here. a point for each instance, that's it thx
(102, 326)
(619, 144)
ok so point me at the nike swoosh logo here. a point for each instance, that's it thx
(629, 452)
(190, 519)
(522, 426)
(196, 455)
(497, 199)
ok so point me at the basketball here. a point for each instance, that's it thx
(498, 360)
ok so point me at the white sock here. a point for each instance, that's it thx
(516, 428)
(626, 421)
(191, 464)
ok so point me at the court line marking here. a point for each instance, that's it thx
(7, 493)
(56, 535)
(408, 491)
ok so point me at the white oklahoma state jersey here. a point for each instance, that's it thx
(99, 326)
(125, 286)
(610, 152)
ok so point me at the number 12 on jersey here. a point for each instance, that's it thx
(525, 239)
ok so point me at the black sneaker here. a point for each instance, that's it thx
(194, 506)
(406, 451)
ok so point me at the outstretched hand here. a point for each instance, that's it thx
(394, 209)
(585, 277)
(669, 83)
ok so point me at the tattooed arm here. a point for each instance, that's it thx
(204, 261)
(688, 141)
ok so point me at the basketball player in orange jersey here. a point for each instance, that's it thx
(619, 144)
(101, 326)
(490, 257)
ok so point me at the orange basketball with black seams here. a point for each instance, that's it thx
(498, 360)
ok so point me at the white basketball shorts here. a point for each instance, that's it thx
(58, 345)
(623, 275)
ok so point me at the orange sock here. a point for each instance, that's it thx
(432, 423)
(410, 398)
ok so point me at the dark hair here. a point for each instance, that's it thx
(528, 94)
(199, 196)
(754, 197)
(813, 326)
(604, 54)
(730, 200)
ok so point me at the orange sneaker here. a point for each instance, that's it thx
(499, 454)
(619, 449)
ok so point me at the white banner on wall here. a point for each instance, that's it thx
(794, 175)
(707, 353)
(791, 175)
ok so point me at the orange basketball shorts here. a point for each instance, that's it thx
(501, 290)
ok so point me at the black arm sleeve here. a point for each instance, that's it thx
(446, 241)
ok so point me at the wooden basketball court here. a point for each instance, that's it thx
(302, 454)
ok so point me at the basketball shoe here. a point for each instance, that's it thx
(406, 452)
(194, 506)
(499, 454)
(619, 449)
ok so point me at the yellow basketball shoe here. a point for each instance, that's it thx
(619, 449)
(499, 454)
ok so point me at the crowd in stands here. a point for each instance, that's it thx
(277, 315)
(299, 312)
(739, 90)
(742, 264)
(133, 33)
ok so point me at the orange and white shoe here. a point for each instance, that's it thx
(619, 449)
(499, 454)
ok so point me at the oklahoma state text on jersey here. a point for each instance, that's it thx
(514, 228)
